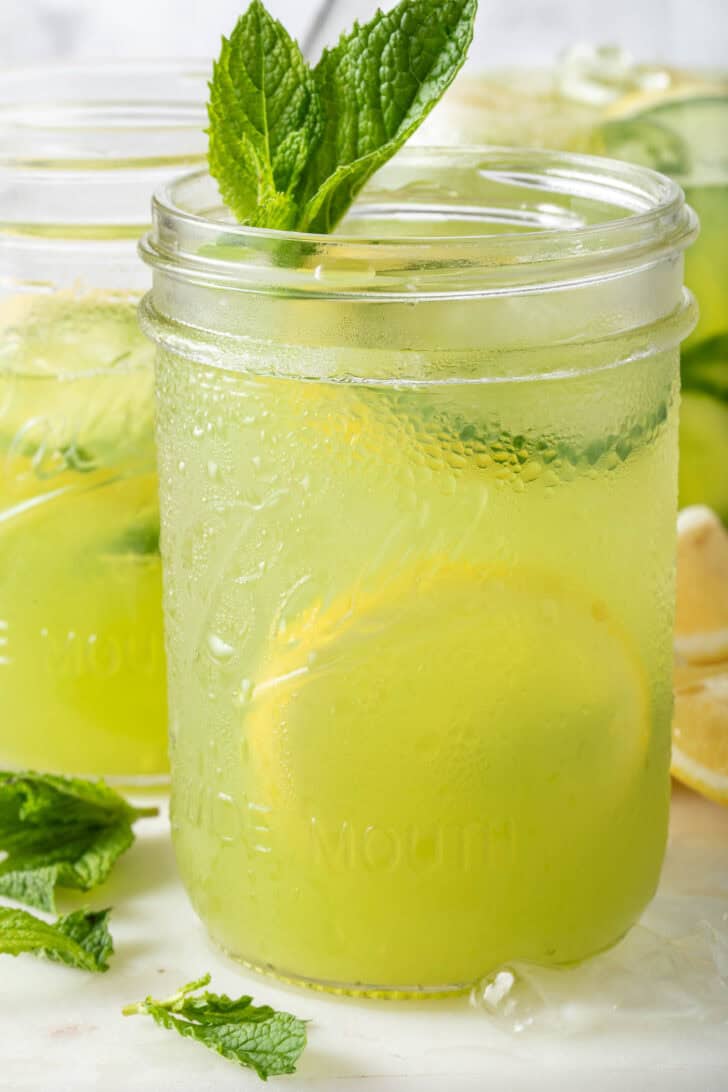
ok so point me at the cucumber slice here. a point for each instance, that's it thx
(705, 367)
(647, 143)
(683, 136)
(704, 452)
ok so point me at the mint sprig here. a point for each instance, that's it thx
(59, 832)
(255, 1036)
(80, 939)
(290, 146)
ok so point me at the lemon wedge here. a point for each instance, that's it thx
(462, 679)
(700, 726)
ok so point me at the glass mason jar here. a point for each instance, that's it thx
(81, 650)
(418, 497)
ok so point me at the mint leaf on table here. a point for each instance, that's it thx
(255, 1036)
(80, 939)
(290, 146)
(59, 832)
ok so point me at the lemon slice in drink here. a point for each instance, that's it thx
(700, 729)
(449, 682)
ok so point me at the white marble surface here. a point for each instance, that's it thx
(62, 1031)
(525, 31)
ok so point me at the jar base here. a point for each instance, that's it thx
(393, 992)
(355, 989)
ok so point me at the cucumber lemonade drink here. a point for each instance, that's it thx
(82, 671)
(418, 489)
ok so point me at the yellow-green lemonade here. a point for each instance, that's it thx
(601, 101)
(418, 517)
(81, 651)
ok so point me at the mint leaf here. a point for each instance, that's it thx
(140, 538)
(80, 939)
(59, 832)
(256, 1037)
(78, 458)
(291, 147)
(376, 87)
(264, 115)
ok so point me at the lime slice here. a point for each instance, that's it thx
(465, 680)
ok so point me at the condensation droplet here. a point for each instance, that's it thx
(242, 694)
(219, 650)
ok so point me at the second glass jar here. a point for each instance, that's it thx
(82, 668)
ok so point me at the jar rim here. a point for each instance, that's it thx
(83, 146)
(75, 117)
(193, 239)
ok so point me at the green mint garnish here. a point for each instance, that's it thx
(291, 146)
(78, 458)
(255, 1036)
(138, 538)
(59, 832)
(80, 939)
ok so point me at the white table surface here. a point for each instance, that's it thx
(62, 1030)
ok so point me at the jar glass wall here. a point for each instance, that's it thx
(81, 651)
(418, 492)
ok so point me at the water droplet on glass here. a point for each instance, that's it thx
(242, 694)
(220, 651)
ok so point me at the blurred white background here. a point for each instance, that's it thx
(526, 31)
